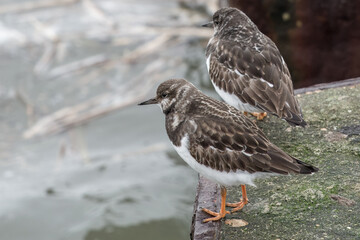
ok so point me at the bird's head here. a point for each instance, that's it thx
(226, 18)
(171, 95)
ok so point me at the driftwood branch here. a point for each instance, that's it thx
(147, 48)
(28, 106)
(100, 105)
(140, 52)
(97, 13)
(78, 65)
(190, 31)
(33, 5)
(46, 58)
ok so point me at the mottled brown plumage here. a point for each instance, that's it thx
(245, 64)
(220, 137)
(220, 142)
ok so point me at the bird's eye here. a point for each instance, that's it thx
(216, 20)
(164, 95)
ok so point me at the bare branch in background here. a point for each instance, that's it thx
(97, 13)
(45, 30)
(199, 32)
(50, 48)
(190, 31)
(28, 106)
(75, 66)
(30, 6)
(147, 48)
(68, 117)
(140, 52)
(46, 58)
(56, 36)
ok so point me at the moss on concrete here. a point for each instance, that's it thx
(300, 207)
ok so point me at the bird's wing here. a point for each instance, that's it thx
(232, 143)
(257, 74)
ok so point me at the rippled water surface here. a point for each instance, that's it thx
(78, 158)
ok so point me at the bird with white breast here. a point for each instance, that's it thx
(247, 69)
(219, 142)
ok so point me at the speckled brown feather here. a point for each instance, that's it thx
(220, 137)
(264, 81)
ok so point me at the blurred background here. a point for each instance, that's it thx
(78, 158)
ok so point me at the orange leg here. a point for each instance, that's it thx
(222, 213)
(239, 205)
(259, 116)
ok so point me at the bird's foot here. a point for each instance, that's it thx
(237, 206)
(259, 116)
(217, 216)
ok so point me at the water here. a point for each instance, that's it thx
(112, 177)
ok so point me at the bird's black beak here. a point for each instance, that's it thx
(150, 101)
(209, 25)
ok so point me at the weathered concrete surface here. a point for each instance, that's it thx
(309, 207)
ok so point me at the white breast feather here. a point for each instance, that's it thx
(234, 101)
(208, 62)
(223, 178)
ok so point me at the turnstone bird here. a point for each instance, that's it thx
(219, 142)
(247, 69)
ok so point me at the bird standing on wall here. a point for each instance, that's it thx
(247, 69)
(219, 142)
